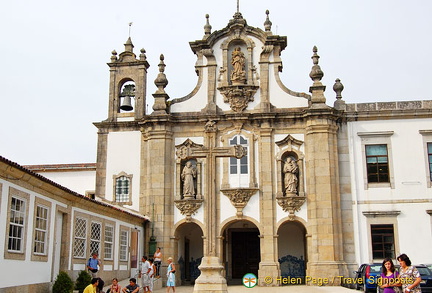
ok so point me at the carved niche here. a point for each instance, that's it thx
(238, 81)
(188, 170)
(290, 195)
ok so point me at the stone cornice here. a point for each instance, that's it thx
(374, 214)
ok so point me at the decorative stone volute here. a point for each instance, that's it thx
(239, 197)
(291, 204)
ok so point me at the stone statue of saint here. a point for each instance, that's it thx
(290, 170)
(238, 74)
(188, 175)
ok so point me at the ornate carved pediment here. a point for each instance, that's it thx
(289, 141)
(238, 96)
(291, 204)
(188, 207)
(184, 149)
(239, 197)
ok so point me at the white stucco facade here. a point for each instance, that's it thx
(406, 200)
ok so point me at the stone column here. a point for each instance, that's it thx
(268, 265)
(157, 184)
(325, 251)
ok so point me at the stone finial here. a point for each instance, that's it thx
(143, 56)
(161, 81)
(267, 23)
(128, 45)
(114, 56)
(161, 105)
(316, 73)
(338, 87)
(207, 26)
(317, 89)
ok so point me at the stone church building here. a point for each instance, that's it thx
(242, 175)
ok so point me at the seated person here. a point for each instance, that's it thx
(92, 287)
(132, 287)
(100, 286)
(115, 287)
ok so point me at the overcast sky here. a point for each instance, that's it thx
(54, 77)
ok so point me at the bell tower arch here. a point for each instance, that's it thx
(128, 82)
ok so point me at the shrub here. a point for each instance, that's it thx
(63, 283)
(83, 280)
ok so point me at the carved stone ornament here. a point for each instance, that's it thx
(238, 96)
(239, 197)
(184, 149)
(188, 207)
(291, 204)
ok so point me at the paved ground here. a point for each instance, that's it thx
(256, 289)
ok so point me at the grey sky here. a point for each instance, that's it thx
(54, 77)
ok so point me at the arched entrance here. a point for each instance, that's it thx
(241, 250)
(292, 249)
(190, 251)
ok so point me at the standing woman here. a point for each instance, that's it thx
(389, 276)
(410, 276)
(157, 261)
(170, 275)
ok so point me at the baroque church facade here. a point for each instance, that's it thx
(240, 176)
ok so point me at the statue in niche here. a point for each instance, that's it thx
(290, 170)
(238, 74)
(188, 176)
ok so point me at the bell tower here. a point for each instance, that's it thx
(127, 88)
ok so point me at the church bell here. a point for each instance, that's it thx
(126, 105)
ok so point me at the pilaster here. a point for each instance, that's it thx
(325, 251)
(268, 265)
(157, 178)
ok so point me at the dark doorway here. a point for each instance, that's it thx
(245, 253)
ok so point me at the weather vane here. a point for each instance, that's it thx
(130, 24)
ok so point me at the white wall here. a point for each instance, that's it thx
(124, 155)
(78, 181)
(24, 272)
(410, 195)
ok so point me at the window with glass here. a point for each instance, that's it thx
(383, 241)
(122, 189)
(377, 163)
(41, 230)
(108, 242)
(80, 234)
(95, 237)
(239, 166)
(124, 245)
(16, 225)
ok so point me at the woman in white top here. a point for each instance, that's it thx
(157, 261)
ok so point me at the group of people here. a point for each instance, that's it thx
(406, 280)
(148, 272)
